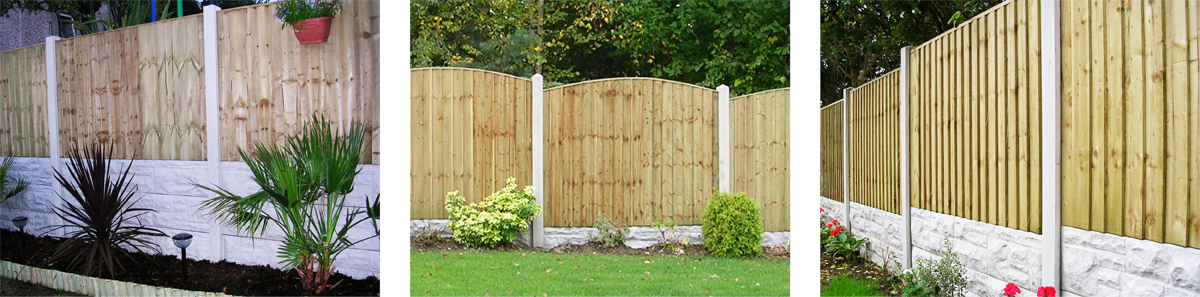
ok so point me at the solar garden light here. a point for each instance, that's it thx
(20, 222)
(183, 240)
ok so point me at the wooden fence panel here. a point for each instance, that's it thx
(271, 85)
(139, 89)
(23, 127)
(635, 150)
(976, 124)
(874, 144)
(1135, 86)
(760, 155)
(471, 131)
(831, 150)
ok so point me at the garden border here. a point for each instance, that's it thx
(91, 286)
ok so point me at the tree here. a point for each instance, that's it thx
(83, 13)
(743, 44)
(861, 39)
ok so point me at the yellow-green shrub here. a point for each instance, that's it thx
(496, 220)
(732, 226)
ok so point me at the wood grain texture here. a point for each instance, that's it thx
(763, 153)
(874, 154)
(831, 149)
(23, 126)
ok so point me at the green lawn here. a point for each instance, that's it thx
(12, 287)
(462, 273)
(843, 285)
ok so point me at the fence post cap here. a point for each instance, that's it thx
(214, 7)
(52, 38)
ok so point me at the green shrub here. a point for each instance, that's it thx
(732, 226)
(608, 233)
(944, 277)
(497, 219)
(9, 186)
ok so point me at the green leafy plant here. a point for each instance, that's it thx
(101, 220)
(840, 242)
(9, 186)
(293, 11)
(305, 182)
(497, 219)
(943, 277)
(732, 226)
(373, 212)
(608, 234)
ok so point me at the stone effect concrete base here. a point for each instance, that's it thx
(638, 237)
(167, 186)
(1097, 264)
(992, 255)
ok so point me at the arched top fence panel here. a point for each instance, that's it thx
(759, 156)
(437, 69)
(644, 79)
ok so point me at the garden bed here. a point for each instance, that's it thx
(203, 275)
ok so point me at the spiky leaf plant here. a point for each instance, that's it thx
(318, 165)
(9, 186)
(100, 219)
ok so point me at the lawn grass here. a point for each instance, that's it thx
(12, 287)
(843, 285)
(465, 273)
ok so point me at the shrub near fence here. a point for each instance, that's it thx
(634, 149)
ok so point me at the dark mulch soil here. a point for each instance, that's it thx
(430, 243)
(859, 268)
(167, 271)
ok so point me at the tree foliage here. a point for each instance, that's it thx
(861, 39)
(743, 44)
(86, 17)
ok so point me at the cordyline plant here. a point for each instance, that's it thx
(9, 186)
(101, 221)
(305, 182)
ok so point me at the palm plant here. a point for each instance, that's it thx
(9, 186)
(100, 221)
(317, 165)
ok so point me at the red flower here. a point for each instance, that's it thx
(829, 226)
(835, 222)
(1045, 292)
(1011, 290)
(835, 231)
(822, 209)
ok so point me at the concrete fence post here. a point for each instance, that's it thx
(212, 106)
(1051, 151)
(905, 154)
(846, 154)
(539, 157)
(52, 113)
(724, 139)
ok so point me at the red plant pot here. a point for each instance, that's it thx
(314, 30)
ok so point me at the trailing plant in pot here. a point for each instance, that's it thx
(306, 183)
(310, 19)
(9, 186)
(102, 224)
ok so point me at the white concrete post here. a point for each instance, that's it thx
(1051, 152)
(212, 118)
(846, 154)
(905, 154)
(724, 139)
(539, 156)
(52, 113)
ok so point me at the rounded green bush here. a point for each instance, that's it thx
(496, 220)
(732, 226)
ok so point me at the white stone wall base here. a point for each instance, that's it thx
(638, 237)
(167, 187)
(1097, 264)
